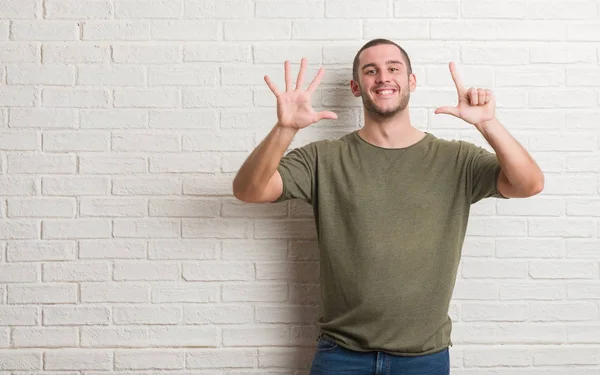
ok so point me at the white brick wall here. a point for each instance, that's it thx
(123, 122)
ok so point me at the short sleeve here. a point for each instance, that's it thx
(482, 171)
(298, 173)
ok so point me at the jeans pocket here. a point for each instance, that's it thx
(324, 345)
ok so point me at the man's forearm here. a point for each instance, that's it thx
(517, 164)
(254, 175)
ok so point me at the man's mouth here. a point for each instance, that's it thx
(385, 92)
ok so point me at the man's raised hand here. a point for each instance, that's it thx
(475, 105)
(294, 109)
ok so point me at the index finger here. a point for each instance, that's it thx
(316, 81)
(456, 78)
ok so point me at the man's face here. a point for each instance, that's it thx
(383, 80)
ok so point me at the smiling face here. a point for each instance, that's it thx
(384, 82)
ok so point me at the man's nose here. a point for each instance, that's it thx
(382, 76)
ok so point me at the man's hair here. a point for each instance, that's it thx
(376, 42)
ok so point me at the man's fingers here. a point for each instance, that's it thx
(316, 81)
(456, 78)
(473, 98)
(327, 115)
(288, 75)
(448, 111)
(300, 80)
(489, 95)
(481, 95)
(272, 86)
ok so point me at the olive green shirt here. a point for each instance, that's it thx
(390, 225)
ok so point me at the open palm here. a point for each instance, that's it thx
(294, 107)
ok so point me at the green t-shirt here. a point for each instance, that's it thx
(390, 225)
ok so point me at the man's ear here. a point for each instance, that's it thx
(412, 82)
(355, 88)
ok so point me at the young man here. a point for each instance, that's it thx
(391, 206)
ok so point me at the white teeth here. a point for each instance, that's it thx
(385, 92)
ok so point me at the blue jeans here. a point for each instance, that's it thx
(332, 359)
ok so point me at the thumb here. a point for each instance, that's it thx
(448, 111)
(326, 115)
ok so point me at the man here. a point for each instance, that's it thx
(391, 206)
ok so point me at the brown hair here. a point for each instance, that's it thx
(376, 42)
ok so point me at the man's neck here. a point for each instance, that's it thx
(390, 132)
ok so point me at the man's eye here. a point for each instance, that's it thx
(372, 71)
(394, 69)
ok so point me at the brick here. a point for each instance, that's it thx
(583, 164)
(19, 230)
(44, 30)
(553, 10)
(562, 227)
(80, 53)
(499, 312)
(231, 162)
(560, 356)
(532, 290)
(78, 9)
(183, 119)
(183, 249)
(45, 337)
(357, 9)
(15, 52)
(255, 293)
(582, 31)
(563, 312)
(115, 293)
(75, 98)
(212, 9)
(153, 53)
(532, 207)
(188, 162)
(494, 55)
(76, 272)
(563, 270)
(4, 337)
(509, 357)
(217, 314)
(42, 118)
(78, 359)
(111, 75)
(114, 337)
(326, 30)
(17, 96)
(195, 75)
(396, 29)
(23, 10)
(586, 334)
(20, 360)
(257, 336)
(491, 9)
(146, 186)
(83, 141)
(529, 248)
(426, 9)
(475, 290)
(184, 30)
(562, 98)
(160, 207)
(113, 119)
(289, 9)
(112, 249)
(227, 141)
(528, 76)
(149, 360)
(583, 207)
(26, 74)
(577, 248)
(76, 315)
(209, 98)
(215, 358)
(141, 9)
(562, 54)
(182, 293)
(18, 273)
(583, 77)
(569, 184)
(79, 229)
(111, 207)
(116, 30)
(216, 52)
(19, 315)
(37, 163)
(582, 119)
(478, 247)
(215, 228)
(147, 315)
(38, 251)
(484, 268)
(148, 271)
(533, 119)
(210, 185)
(75, 185)
(46, 294)
(112, 164)
(182, 336)
(17, 140)
(211, 271)
(146, 98)
(146, 142)
(257, 30)
(147, 228)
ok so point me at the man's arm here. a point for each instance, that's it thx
(520, 176)
(258, 179)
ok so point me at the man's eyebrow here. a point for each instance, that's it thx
(387, 62)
